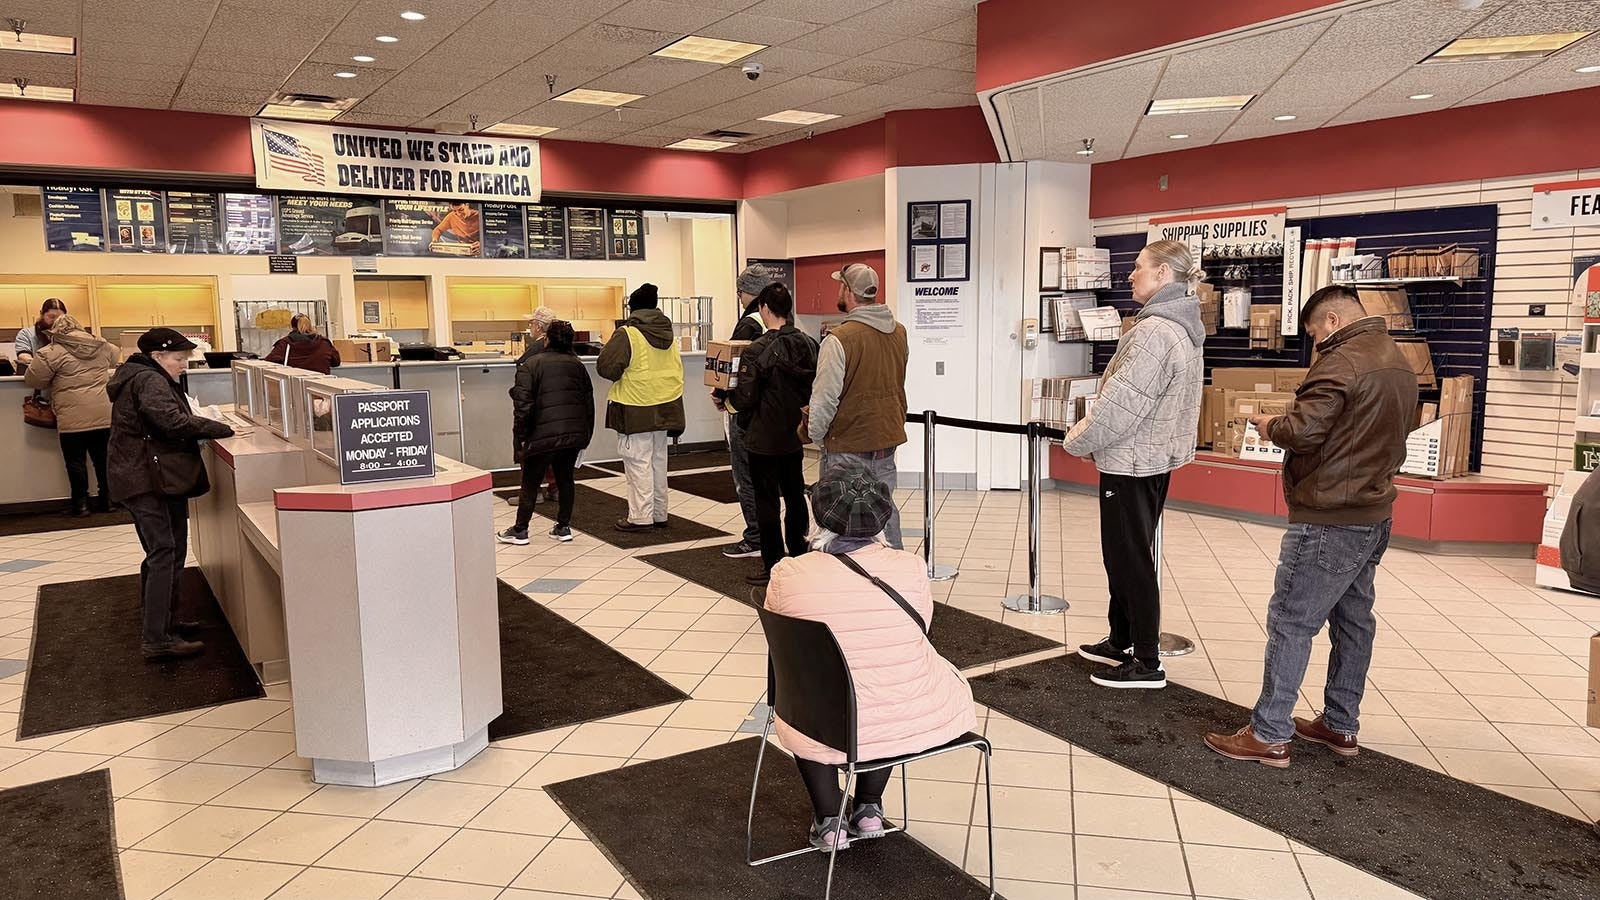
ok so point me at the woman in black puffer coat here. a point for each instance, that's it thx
(553, 405)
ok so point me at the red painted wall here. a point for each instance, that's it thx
(827, 158)
(938, 137)
(1550, 133)
(579, 167)
(1023, 39)
(119, 139)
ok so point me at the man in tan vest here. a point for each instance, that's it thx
(858, 401)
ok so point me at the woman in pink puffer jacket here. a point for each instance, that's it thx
(908, 698)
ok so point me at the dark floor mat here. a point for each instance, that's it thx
(57, 841)
(595, 513)
(86, 667)
(964, 638)
(637, 816)
(582, 473)
(682, 462)
(18, 523)
(1442, 838)
(553, 673)
(715, 486)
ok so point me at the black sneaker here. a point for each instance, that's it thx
(741, 550)
(513, 536)
(1132, 674)
(759, 579)
(1105, 652)
(561, 533)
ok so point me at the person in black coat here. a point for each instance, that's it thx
(775, 376)
(154, 467)
(553, 419)
(750, 284)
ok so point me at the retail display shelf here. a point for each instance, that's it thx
(1398, 282)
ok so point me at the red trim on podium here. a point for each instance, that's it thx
(1474, 510)
(401, 493)
(224, 454)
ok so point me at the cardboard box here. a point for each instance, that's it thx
(1266, 331)
(1394, 304)
(1242, 405)
(1287, 381)
(1594, 682)
(1212, 417)
(1259, 380)
(1421, 359)
(362, 351)
(722, 364)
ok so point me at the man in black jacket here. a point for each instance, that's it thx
(154, 467)
(751, 282)
(553, 419)
(775, 376)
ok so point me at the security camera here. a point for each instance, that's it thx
(753, 71)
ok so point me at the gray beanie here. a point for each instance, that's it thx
(754, 279)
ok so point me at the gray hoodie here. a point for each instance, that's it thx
(1144, 419)
(829, 383)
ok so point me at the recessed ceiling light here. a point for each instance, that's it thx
(410, 16)
(362, 57)
(1178, 137)
(38, 43)
(1283, 118)
(708, 50)
(294, 106)
(1198, 104)
(798, 117)
(512, 129)
(598, 98)
(344, 74)
(699, 144)
(1587, 70)
(1421, 97)
(1515, 46)
(38, 92)
(387, 39)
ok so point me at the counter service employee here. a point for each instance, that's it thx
(303, 348)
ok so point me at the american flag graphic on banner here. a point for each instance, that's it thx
(286, 154)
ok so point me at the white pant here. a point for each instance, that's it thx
(644, 462)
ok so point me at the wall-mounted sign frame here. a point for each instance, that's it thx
(383, 436)
(938, 240)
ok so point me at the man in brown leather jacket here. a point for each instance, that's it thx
(1345, 439)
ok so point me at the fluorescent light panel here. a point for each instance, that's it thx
(699, 144)
(284, 107)
(38, 43)
(708, 50)
(512, 129)
(599, 98)
(1198, 104)
(38, 92)
(798, 117)
(1515, 46)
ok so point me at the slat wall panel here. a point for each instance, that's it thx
(1527, 416)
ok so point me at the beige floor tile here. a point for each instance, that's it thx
(518, 894)
(297, 838)
(1202, 823)
(1455, 734)
(1141, 818)
(1051, 771)
(207, 831)
(1521, 710)
(1553, 740)
(253, 748)
(392, 848)
(327, 884)
(1490, 767)
(49, 764)
(269, 789)
(1099, 893)
(1331, 879)
(1101, 776)
(573, 867)
(1570, 773)
(539, 741)
(441, 803)
(427, 889)
(932, 801)
(1234, 872)
(342, 800)
(1549, 798)
(129, 774)
(493, 766)
(194, 783)
(709, 715)
(522, 812)
(482, 857)
(1027, 855)
(146, 875)
(605, 739)
(1131, 865)
(138, 819)
(1007, 734)
(673, 741)
(110, 740)
(230, 879)
(245, 715)
(562, 767)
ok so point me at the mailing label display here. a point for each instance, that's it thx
(383, 436)
(306, 156)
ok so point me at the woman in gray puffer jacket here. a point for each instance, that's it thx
(1141, 427)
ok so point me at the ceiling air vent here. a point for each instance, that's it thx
(26, 206)
(723, 134)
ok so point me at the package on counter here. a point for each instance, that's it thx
(722, 364)
(1242, 405)
(362, 350)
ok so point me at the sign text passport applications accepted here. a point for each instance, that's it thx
(383, 436)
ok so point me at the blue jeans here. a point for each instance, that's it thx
(881, 464)
(1325, 575)
(742, 485)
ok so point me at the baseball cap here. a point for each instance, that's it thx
(860, 279)
(849, 500)
(163, 339)
(543, 316)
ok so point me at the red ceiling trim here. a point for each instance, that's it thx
(1020, 40)
(853, 152)
(1225, 214)
(1527, 136)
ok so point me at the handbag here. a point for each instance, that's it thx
(883, 586)
(38, 412)
(175, 474)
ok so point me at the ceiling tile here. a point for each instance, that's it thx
(651, 74)
(1025, 133)
(662, 15)
(907, 17)
(866, 71)
(919, 51)
(961, 31)
(98, 97)
(61, 70)
(758, 29)
(1102, 108)
(820, 11)
(556, 114)
(1245, 66)
(794, 61)
(1539, 17)
(46, 16)
(219, 107)
(871, 98)
(853, 42)
(939, 80)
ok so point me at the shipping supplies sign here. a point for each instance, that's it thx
(305, 156)
(1239, 226)
(383, 436)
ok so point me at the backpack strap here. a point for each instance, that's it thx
(884, 586)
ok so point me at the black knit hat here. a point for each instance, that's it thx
(849, 500)
(643, 297)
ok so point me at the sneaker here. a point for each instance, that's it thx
(177, 648)
(661, 524)
(824, 834)
(741, 550)
(513, 536)
(1106, 652)
(759, 579)
(867, 822)
(625, 525)
(562, 533)
(1132, 674)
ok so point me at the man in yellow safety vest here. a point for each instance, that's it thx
(644, 405)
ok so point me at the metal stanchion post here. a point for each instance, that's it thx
(1171, 644)
(935, 572)
(1034, 602)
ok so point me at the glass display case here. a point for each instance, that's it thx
(299, 431)
(249, 389)
(316, 405)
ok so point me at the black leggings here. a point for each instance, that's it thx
(74, 447)
(533, 468)
(822, 783)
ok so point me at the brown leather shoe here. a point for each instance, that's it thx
(1243, 746)
(1317, 732)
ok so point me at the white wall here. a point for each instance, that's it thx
(1529, 429)
(836, 218)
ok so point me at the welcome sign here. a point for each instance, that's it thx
(307, 156)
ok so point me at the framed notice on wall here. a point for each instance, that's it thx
(627, 233)
(547, 232)
(938, 240)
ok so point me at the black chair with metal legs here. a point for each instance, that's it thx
(809, 685)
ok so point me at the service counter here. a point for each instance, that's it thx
(33, 470)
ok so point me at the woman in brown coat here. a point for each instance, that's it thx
(75, 367)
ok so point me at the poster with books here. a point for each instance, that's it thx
(138, 221)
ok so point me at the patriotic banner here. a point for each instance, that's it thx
(320, 158)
